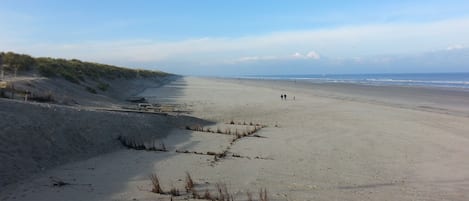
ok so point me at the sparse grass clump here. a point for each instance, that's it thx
(207, 195)
(132, 143)
(189, 182)
(103, 86)
(91, 90)
(174, 191)
(222, 192)
(44, 98)
(156, 188)
(247, 131)
(58, 182)
(263, 195)
(161, 148)
(195, 194)
(196, 128)
(249, 196)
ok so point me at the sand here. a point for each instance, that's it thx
(333, 142)
(67, 93)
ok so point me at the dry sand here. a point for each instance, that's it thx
(67, 93)
(328, 144)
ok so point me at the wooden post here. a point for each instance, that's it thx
(12, 91)
(1, 68)
(3, 85)
(16, 70)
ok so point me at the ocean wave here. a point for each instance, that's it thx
(458, 80)
(421, 81)
(401, 82)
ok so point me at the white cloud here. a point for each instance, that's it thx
(297, 55)
(248, 59)
(455, 47)
(310, 55)
(313, 55)
(253, 59)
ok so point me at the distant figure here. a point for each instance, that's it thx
(285, 96)
(281, 96)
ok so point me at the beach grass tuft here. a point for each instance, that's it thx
(263, 195)
(249, 196)
(132, 143)
(156, 187)
(221, 189)
(223, 193)
(195, 194)
(208, 195)
(189, 183)
(174, 192)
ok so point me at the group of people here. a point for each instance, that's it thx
(283, 96)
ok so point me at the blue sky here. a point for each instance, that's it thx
(245, 37)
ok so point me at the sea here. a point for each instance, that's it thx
(452, 80)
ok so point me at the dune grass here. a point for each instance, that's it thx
(263, 195)
(73, 70)
(221, 191)
(133, 143)
(174, 191)
(189, 183)
(155, 181)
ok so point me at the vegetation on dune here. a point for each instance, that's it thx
(219, 192)
(91, 90)
(103, 86)
(16, 62)
(72, 70)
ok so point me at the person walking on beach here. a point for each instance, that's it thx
(285, 96)
(281, 96)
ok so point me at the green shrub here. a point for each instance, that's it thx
(20, 62)
(74, 70)
(70, 77)
(103, 86)
(91, 90)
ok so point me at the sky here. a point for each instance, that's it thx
(245, 37)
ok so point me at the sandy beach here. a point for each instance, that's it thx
(331, 142)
